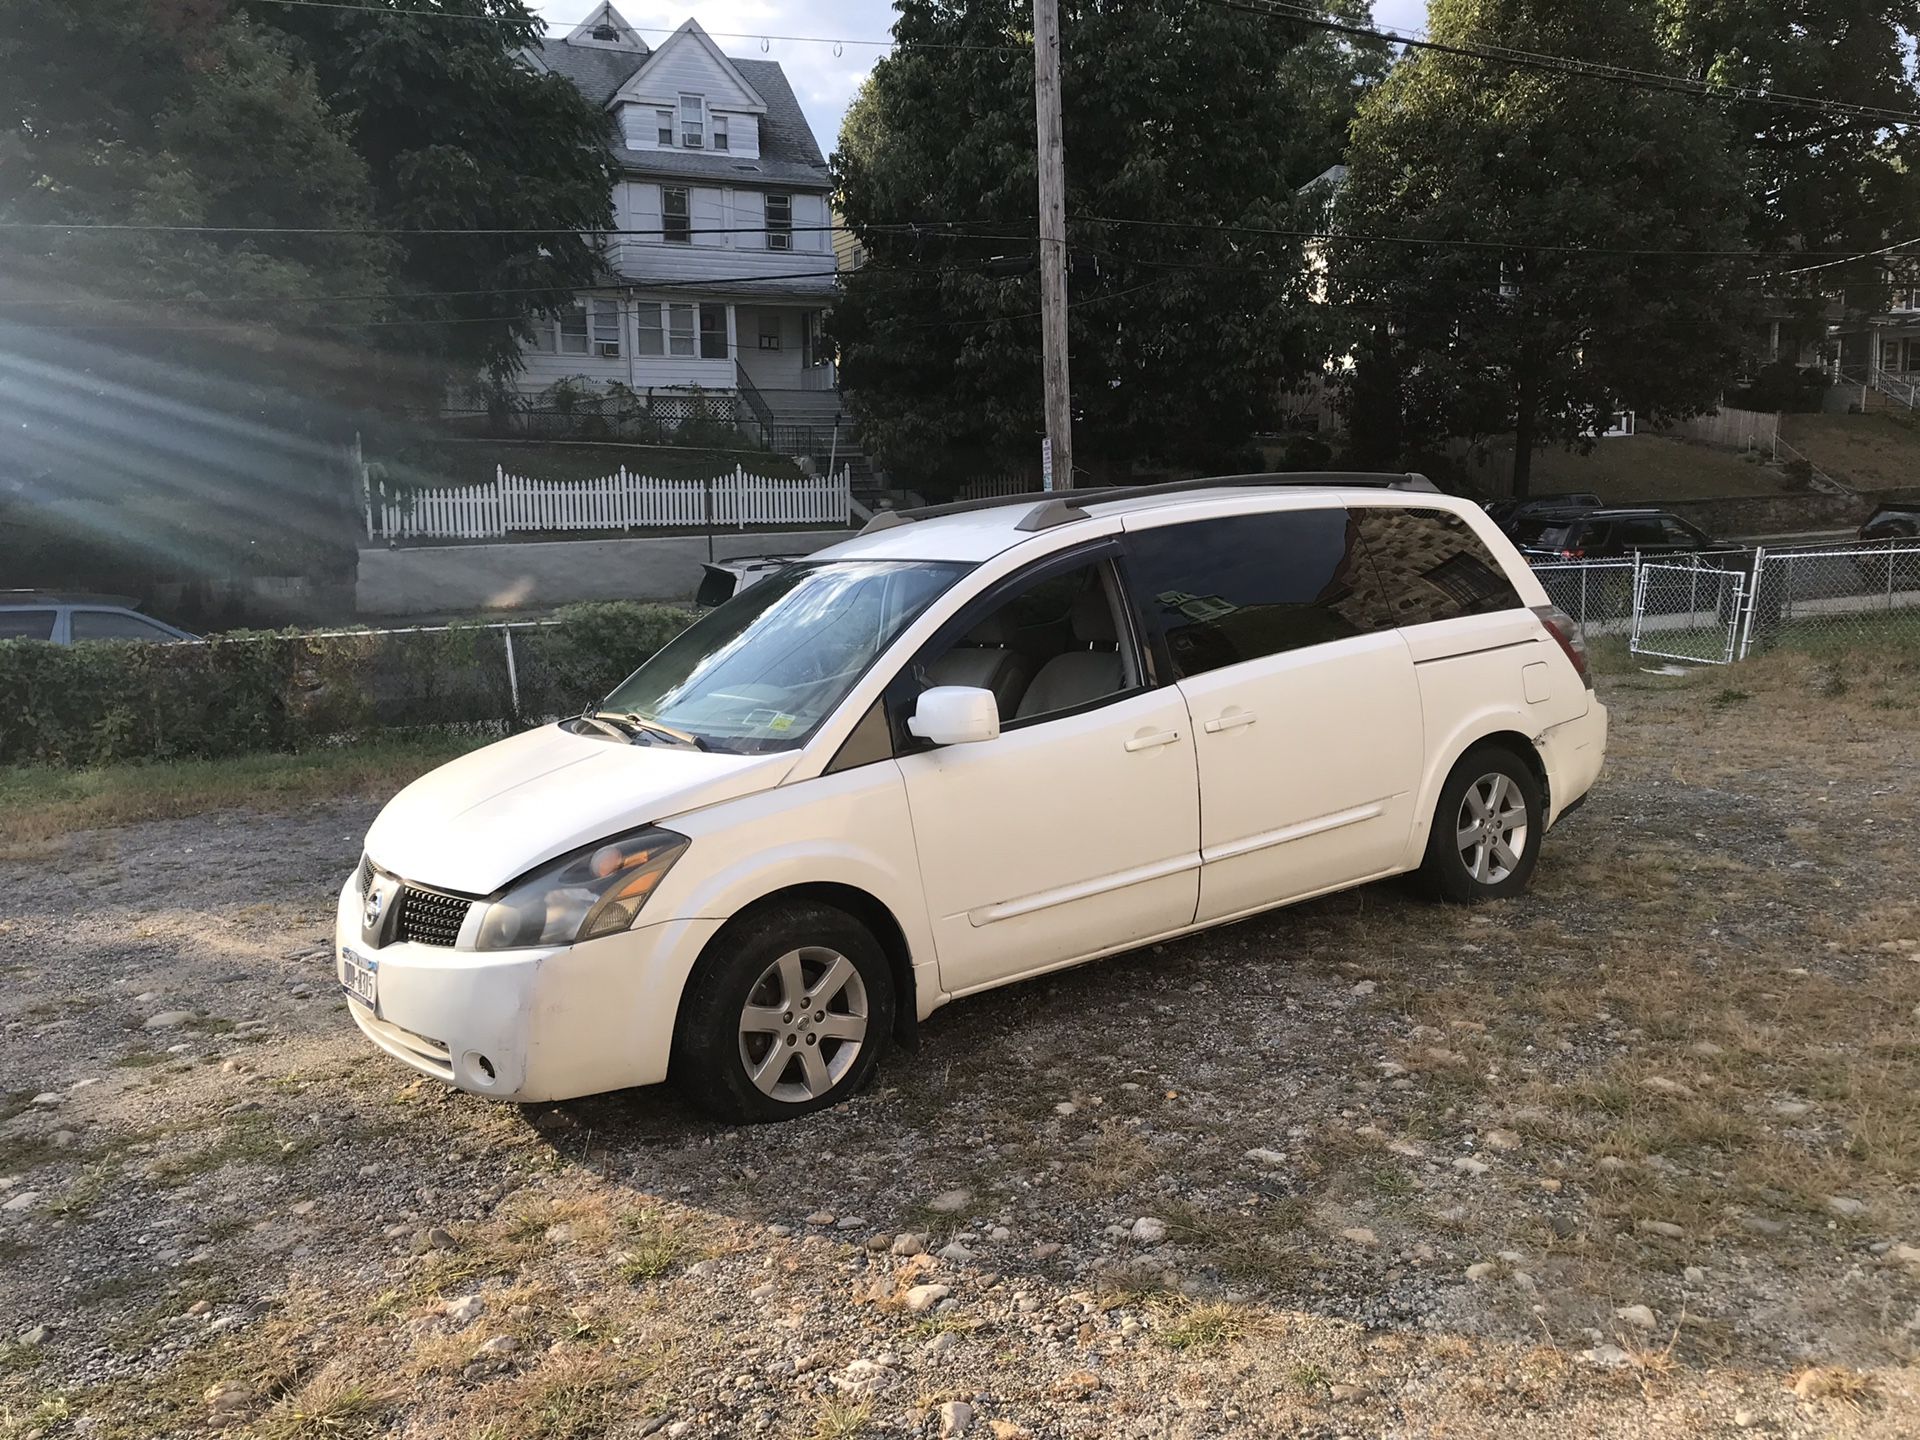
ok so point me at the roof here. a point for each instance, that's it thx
(982, 531)
(789, 154)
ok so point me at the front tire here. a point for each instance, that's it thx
(1487, 828)
(784, 1015)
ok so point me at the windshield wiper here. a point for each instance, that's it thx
(641, 725)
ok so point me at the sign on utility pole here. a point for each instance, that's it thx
(1057, 457)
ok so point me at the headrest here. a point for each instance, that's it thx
(994, 629)
(1093, 617)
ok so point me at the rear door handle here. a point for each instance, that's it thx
(1232, 720)
(1151, 739)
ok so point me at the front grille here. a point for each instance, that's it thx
(427, 917)
(363, 877)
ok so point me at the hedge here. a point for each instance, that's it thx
(287, 690)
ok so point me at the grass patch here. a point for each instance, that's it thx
(840, 1420)
(141, 1059)
(325, 1409)
(245, 1139)
(1211, 1326)
(43, 805)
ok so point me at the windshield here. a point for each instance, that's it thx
(1547, 534)
(761, 671)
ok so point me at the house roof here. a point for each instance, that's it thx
(789, 155)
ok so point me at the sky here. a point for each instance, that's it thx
(825, 82)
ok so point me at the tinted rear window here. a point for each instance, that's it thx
(1431, 566)
(1244, 586)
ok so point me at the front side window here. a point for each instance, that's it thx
(680, 329)
(1637, 530)
(1055, 645)
(675, 222)
(573, 329)
(779, 222)
(713, 332)
(693, 122)
(1244, 586)
(1432, 566)
(763, 670)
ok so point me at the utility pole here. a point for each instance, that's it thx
(1053, 241)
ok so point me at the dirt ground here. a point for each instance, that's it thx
(1638, 1154)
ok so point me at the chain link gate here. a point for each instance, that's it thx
(1688, 612)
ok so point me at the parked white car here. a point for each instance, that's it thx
(968, 746)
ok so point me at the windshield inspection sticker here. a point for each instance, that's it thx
(779, 724)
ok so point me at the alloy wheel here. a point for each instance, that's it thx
(1492, 828)
(804, 1024)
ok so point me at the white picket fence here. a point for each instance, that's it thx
(624, 500)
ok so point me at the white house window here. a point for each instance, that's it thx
(675, 224)
(652, 335)
(664, 136)
(769, 331)
(713, 332)
(573, 329)
(680, 329)
(693, 122)
(719, 132)
(779, 222)
(606, 329)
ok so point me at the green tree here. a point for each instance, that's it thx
(1518, 315)
(1818, 180)
(1181, 119)
(130, 113)
(459, 132)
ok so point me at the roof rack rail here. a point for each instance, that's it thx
(1062, 507)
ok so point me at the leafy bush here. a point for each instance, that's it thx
(243, 692)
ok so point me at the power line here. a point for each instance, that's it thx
(419, 12)
(1847, 260)
(1567, 65)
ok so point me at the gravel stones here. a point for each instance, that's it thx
(1148, 1230)
(955, 1418)
(950, 1202)
(168, 1020)
(921, 1298)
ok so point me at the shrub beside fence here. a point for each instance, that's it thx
(92, 704)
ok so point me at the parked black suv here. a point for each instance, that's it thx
(1508, 513)
(1893, 522)
(1606, 533)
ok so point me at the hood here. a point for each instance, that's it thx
(479, 821)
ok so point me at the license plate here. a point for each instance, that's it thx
(360, 977)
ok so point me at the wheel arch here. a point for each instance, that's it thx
(1495, 736)
(870, 911)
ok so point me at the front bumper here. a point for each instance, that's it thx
(524, 1025)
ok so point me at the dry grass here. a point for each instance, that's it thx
(1211, 1326)
(45, 806)
(326, 1407)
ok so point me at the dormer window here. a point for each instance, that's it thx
(693, 122)
(604, 31)
(719, 132)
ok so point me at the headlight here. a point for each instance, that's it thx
(595, 891)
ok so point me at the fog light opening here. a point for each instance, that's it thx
(482, 1066)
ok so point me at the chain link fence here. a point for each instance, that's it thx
(1719, 607)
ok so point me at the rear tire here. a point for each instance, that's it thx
(1487, 828)
(784, 1015)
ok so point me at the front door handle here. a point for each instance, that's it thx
(1232, 720)
(1149, 739)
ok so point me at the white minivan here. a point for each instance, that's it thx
(972, 744)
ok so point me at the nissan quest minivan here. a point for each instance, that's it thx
(971, 745)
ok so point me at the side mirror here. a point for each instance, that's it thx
(955, 715)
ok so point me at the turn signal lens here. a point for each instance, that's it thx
(1560, 625)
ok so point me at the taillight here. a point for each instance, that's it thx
(1560, 625)
(1573, 554)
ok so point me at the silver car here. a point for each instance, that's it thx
(67, 619)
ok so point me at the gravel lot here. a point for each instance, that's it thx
(1638, 1154)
